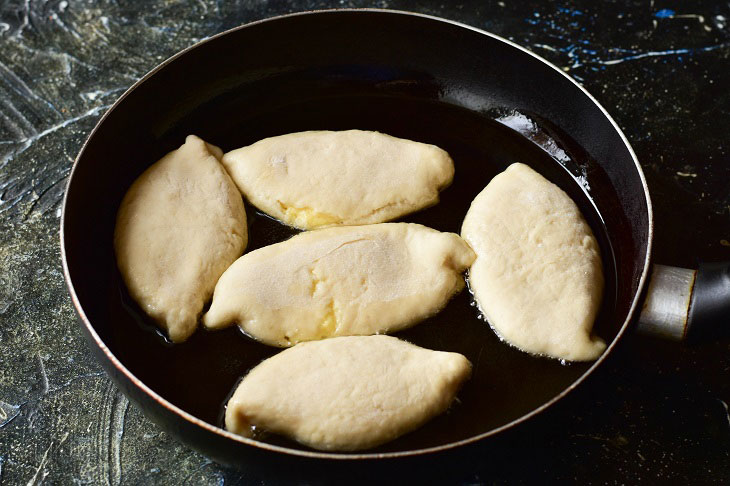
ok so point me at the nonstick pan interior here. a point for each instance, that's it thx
(405, 75)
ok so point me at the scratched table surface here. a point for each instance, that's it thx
(656, 412)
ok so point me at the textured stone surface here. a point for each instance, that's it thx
(655, 412)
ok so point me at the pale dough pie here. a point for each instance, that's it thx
(322, 178)
(346, 393)
(537, 277)
(346, 280)
(180, 225)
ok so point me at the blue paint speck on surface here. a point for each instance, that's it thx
(664, 13)
(570, 11)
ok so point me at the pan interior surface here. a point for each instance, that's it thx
(445, 85)
(506, 384)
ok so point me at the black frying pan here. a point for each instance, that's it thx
(407, 75)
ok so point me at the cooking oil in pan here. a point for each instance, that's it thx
(506, 384)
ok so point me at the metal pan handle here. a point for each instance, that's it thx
(681, 303)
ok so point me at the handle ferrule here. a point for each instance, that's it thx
(709, 312)
(667, 303)
(681, 302)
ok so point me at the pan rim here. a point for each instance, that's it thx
(352, 456)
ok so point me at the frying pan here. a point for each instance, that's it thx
(485, 100)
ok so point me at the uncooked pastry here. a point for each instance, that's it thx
(340, 281)
(537, 277)
(346, 393)
(180, 225)
(322, 178)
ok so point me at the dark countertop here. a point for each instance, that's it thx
(656, 412)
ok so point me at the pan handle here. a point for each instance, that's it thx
(682, 303)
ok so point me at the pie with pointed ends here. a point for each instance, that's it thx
(340, 281)
(346, 393)
(537, 277)
(180, 225)
(322, 178)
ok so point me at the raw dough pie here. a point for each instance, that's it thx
(537, 276)
(180, 225)
(346, 393)
(340, 281)
(321, 178)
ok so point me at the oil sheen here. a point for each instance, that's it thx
(199, 375)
